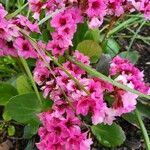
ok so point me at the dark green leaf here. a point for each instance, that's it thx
(110, 136)
(31, 129)
(132, 56)
(47, 104)
(46, 35)
(131, 118)
(6, 92)
(144, 109)
(24, 108)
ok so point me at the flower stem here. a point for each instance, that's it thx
(143, 129)
(105, 78)
(26, 67)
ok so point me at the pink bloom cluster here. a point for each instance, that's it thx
(49, 5)
(62, 133)
(55, 83)
(12, 42)
(65, 24)
(128, 74)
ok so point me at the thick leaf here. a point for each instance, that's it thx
(11, 130)
(132, 56)
(6, 92)
(92, 35)
(23, 85)
(144, 109)
(110, 136)
(111, 47)
(31, 129)
(23, 108)
(131, 118)
(90, 48)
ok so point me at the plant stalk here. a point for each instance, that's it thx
(105, 78)
(143, 129)
(26, 67)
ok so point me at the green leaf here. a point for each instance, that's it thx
(11, 130)
(131, 118)
(45, 35)
(144, 109)
(47, 104)
(92, 35)
(23, 108)
(6, 92)
(90, 48)
(23, 85)
(132, 56)
(6, 116)
(109, 135)
(35, 35)
(79, 35)
(30, 146)
(111, 47)
(31, 129)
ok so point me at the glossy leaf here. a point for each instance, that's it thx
(109, 135)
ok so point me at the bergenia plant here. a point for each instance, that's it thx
(67, 80)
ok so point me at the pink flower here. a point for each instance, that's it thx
(55, 48)
(23, 22)
(24, 48)
(78, 141)
(81, 57)
(36, 6)
(61, 20)
(115, 7)
(95, 22)
(96, 8)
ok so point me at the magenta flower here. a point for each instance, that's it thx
(24, 48)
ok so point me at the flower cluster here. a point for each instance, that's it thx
(12, 42)
(55, 83)
(62, 133)
(65, 24)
